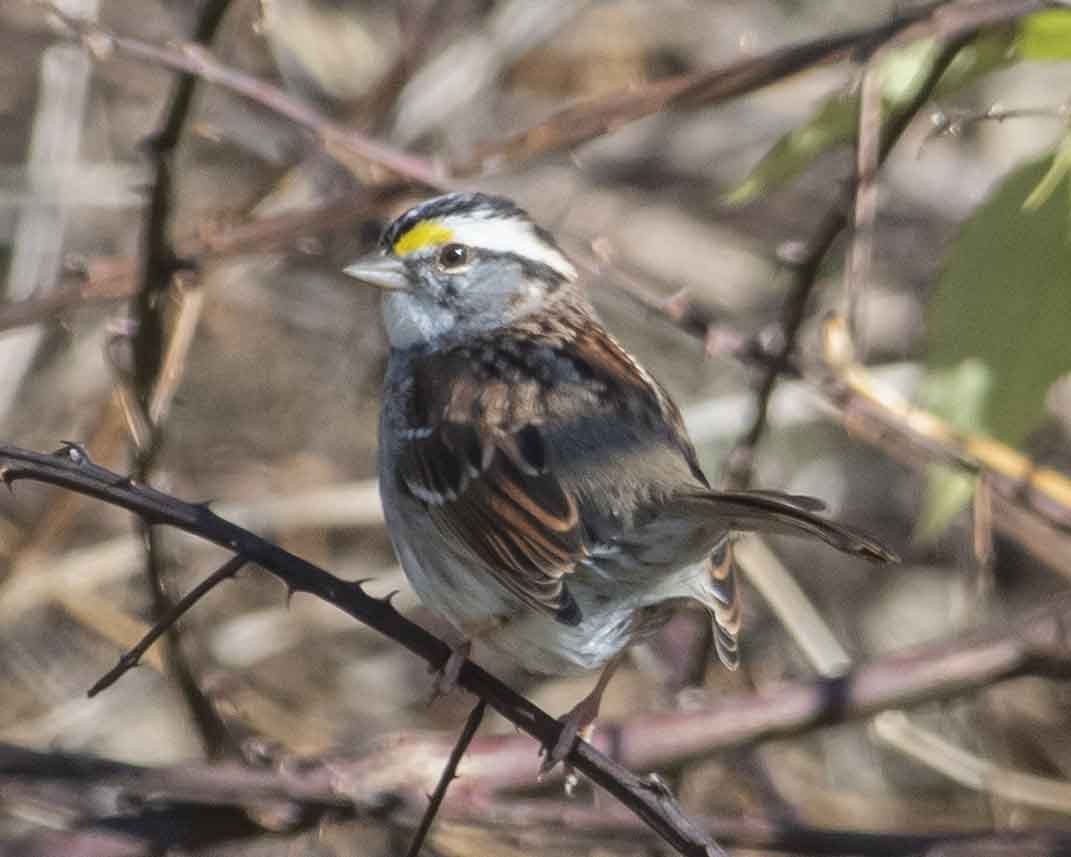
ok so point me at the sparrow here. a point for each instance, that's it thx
(538, 485)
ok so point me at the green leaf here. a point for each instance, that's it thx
(1004, 300)
(1045, 36)
(957, 393)
(834, 122)
(1057, 172)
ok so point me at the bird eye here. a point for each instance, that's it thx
(453, 256)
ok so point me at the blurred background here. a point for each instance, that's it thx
(272, 411)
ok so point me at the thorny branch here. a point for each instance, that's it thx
(130, 659)
(448, 775)
(955, 21)
(1036, 644)
(70, 468)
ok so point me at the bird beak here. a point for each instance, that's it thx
(383, 272)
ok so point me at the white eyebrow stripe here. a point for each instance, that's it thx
(510, 236)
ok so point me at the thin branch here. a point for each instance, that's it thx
(954, 123)
(1031, 503)
(153, 381)
(865, 209)
(591, 119)
(70, 468)
(805, 272)
(969, 770)
(108, 279)
(130, 659)
(193, 59)
(448, 775)
(571, 126)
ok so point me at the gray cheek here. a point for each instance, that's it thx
(412, 319)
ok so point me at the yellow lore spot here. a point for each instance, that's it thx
(427, 233)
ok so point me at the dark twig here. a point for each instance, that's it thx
(159, 266)
(131, 658)
(70, 468)
(448, 775)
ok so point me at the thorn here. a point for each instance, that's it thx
(386, 599)
(360, 582)
(656, 784)
(291, 591)
(73, 451)
(8, 477)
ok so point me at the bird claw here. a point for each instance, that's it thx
(446, 677)
(577, 724)
(563, 746)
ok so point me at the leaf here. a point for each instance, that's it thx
(958, 394)
(1045, 36)
(1004, 299)
(834, 122)
(1057, 172)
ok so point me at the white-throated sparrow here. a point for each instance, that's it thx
(538, 484)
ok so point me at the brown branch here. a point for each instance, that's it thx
(214, 798)
(1034, 644)
(541, 825)
(70, 468)
(110, 279)
(590, 119)
(954, 123)
(865, 206)
(572, 126)
(805, 272)
(192, 59)
(448, 775)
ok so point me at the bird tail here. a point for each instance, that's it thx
(782, 514)
(725, 606)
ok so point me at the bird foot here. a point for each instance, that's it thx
(578, 723)
(447, 675)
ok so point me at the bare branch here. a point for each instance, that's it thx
(130, 659)
(193, 59)
(448, 775)
(70, 468)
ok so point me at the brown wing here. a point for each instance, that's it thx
(476, 456)
(489, 491)
(485, 448)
